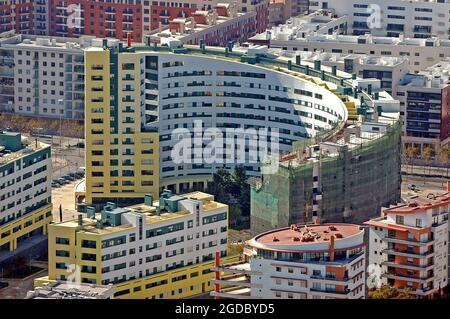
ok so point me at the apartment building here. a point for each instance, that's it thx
(158, 91)
(158, 95)
(425, 104)
(416, 19)
(122, 155)
(103, 19)
(389, 70)
(25, 191)
(281, 10)
(298, 262)
(216, 27)
(157, 13)
(42, 76)
(421, 53)
(155, 249)
(409, 244)
(17, 16)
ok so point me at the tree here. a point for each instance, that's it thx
(427, 154)
(389, 292)
(411, 153)
(234, 213)
(220, 186)
(232, 190)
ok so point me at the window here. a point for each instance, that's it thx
(418, 222)
(400, 220)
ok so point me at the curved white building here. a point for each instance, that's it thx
(222, 93)
(200, 109)
(300, 262)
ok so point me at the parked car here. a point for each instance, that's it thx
(68, 177)
(55, 185)
(63, 181)
(78, 175)
(57, 182)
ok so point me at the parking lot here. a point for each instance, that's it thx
(64, 196)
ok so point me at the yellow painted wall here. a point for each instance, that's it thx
(92, 58)
(138, 137)
(201, 282)
(7, 234)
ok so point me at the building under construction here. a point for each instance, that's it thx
(346, 176)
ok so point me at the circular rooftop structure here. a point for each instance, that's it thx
(310, 238)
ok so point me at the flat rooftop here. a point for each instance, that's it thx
(420, 204)
(28, 146)
(299, 235)
(89, 225)
(63, 290)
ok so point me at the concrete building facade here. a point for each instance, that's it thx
(409, 244)
(421, 53)
(416, 19)
(299, 262)
(156, 249)
(25, 190)
(425, 104)
(216, 27)
(43, 76)
(160, 84)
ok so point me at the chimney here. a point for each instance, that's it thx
(221, 10)
(199, 17)
(129, 39)
(332, 248)
(174, 26)
(80, 219)
(217, 272)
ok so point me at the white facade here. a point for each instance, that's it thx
(421, 53)
(228, 94)
(300, 262)
(416, 19)
(47, 75)
(408, 246)
(148, 246)
(25, 180)
(389, 70)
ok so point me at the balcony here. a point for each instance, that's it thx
(413, 242)
(329, 278)
(425, 267)
(408, 253)
(332, 292)
(422, 279)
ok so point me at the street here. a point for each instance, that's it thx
(66, 158)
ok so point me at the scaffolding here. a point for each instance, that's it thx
(354, 185)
